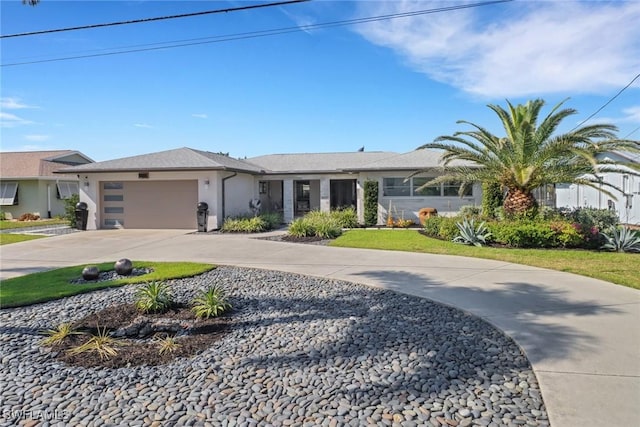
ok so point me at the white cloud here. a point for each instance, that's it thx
(631, 114)
(8, 120)
(7, 103)
(37, 137)
(200, 116)
(143, 125)
(515, 49)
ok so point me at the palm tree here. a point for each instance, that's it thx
(530, 155)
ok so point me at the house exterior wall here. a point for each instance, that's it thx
(33, 198)
(626, 205)
(209, 184)
(407, 207)
(239, 191)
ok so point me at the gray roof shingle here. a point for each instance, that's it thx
(177, 159)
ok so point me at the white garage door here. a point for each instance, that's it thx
(149, 204)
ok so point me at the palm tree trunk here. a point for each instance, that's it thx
(519, 201)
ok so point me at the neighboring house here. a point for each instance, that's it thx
(28, 183)
(162, 190)
(626, 203)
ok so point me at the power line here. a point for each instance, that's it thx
(631, 133)
(256, 34)
(159, 18)
(606, 103)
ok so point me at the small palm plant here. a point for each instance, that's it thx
(57, 335)
(470, 234)
(622, 239)
(101, 343)
(154, 297)
(210, 303)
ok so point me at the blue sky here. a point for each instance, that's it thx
(385, 85)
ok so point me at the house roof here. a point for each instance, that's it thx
(318, 162)
(34, 164)
(176, 160)
(183, 159)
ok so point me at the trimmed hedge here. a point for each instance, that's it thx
(371, 203)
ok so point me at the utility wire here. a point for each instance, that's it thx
(261, 33)
(631, 133)
(159, 18)
(606, 103)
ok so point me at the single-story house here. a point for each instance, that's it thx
(626, 203)
(28, 183)
(163, 189)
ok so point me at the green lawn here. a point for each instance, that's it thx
(6, 225)
(619, 268)
(54, 284)
(5, 238)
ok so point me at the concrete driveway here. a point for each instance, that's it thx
(581, 335)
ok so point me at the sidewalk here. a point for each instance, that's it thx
(581, 335)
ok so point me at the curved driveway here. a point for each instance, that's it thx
(581, 335)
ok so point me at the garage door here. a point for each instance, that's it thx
(149, 204)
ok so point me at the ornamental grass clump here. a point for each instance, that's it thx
(154, 297)
(210, 303)
(316, 224)
(101, 343)
(167, 344)
(57, 335)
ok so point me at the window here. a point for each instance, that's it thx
(432, 190)
(113, 198)
(66, 189)
(8, 193)
(396, 187)
(113, 186)
(453, 189)
(113, 210)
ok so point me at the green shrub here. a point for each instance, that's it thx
(70, 209)
(492, 198)
(470, 211)
(591, 222)
(345, 217)
(441, 227)
(524, 234)
(301, 227)
(370, 203)
(272, 219)
(210, 303)
(251, 224)
(3, 216)
(316, 224)
(567, 234)
(154, 297)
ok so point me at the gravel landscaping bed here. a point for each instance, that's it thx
(301, 351)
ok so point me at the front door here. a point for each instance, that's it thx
(343, 193)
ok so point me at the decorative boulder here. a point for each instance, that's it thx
(123, 267)
(90, 272)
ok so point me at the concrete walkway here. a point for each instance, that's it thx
(581, 335)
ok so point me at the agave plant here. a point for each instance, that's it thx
(154, 297)
(210, 303)
(470, 234)
(622, 239)
(57, 335)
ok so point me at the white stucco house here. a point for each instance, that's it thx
(626, 202)
(163, 189)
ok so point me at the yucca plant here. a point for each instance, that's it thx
(57, 335)
(167, 344)
(470, 234)
(154, 297)
(622, 239)
(210, 303)
(101, 343)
